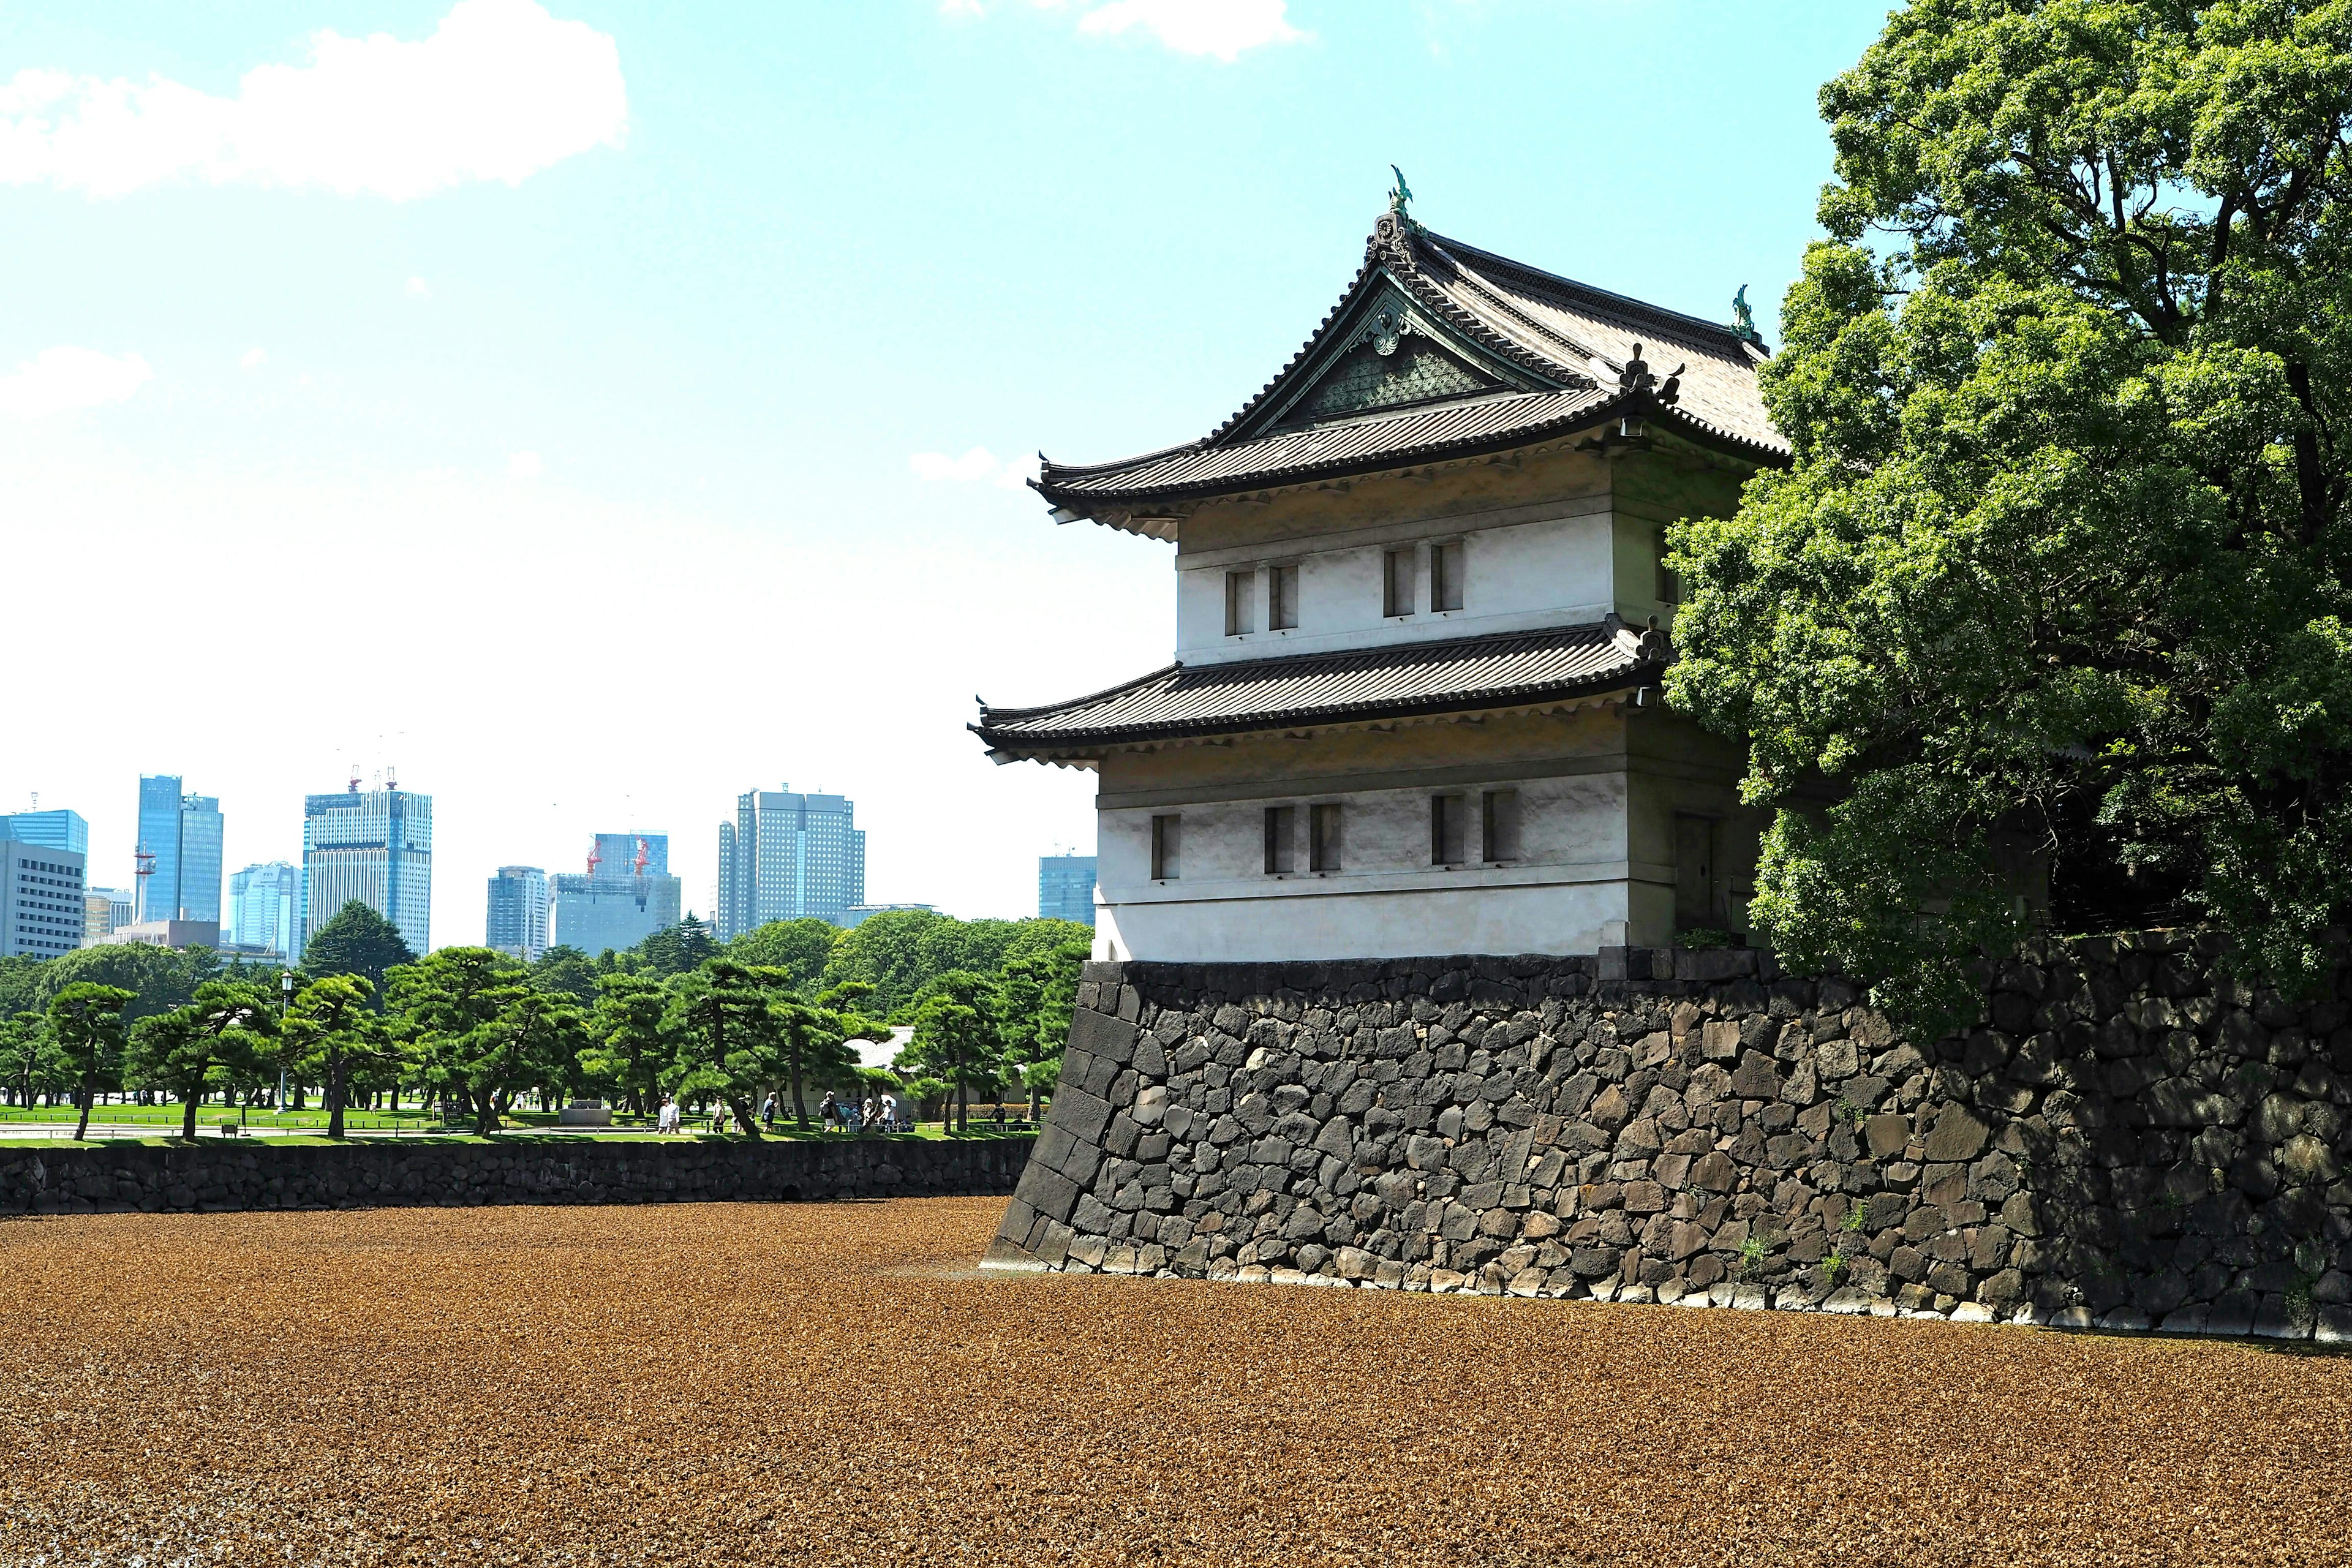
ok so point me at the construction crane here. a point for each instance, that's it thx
(644, 855)
(594, 859)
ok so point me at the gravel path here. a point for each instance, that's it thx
(714, 1384)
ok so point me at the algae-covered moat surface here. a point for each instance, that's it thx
(833, 1383)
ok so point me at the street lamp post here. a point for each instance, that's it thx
(285, 1004)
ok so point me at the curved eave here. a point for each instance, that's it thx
(1092, 503)
(1017, 746)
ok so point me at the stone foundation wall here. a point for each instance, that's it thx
(2131, 1139)
(377, 1173)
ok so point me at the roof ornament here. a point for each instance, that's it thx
(1387, 329)
(1401, 195)
(1391, 241)
(1743, 320)
(1637, 377)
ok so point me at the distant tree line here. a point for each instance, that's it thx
(366, 1023)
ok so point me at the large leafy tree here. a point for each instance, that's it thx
(567, 972)
(959, 1035)
(215, 1042)
(331, 1034)
(2057, 576)
(629, 1044)
(86, 1023)
(357, 941)
(29, 1059)
(1037, 994)
(799, 948)
(159, 978)
(449, 1004)
(678, 949)
(887, 951)
(726, 1037)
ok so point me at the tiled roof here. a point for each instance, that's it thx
(1567, 342)
(1396, 681)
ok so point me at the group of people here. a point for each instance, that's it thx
(875, 1113)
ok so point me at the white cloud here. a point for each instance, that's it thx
(58, 380)
(500, 91)
(416, 289)
(1219, 27)
(525, 466)
(251, 359)
(976, 467)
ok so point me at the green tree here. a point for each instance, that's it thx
(629, 1044)
(884, 951)
(958, 1035)
(85, 1021)
(800, 948)
(29, 1060)
(159, 978)
(20, 986)
(2057, 573)
(357, 941)
(727, 1038)
(449, 1004)
(678, 949)
(1038, 992)
(215, 1042)
(331, 1033)
(567, 971)
(534, 1041)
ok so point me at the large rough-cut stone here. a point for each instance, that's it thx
(1955, 1134)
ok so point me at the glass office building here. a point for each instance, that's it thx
(516, 924)
(50, 829)
(264, 905)
(1066, 888)
(375, 846)
(179, 851)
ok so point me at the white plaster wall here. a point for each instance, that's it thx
(1553, 918)
(1572, 878)
(1516, 575)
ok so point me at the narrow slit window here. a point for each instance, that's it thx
(1167, 848)
(1323, 843)
(1241, 599)
(1281, 598)
(1445, 576)
(1499, 827)
(1446, 824)
(1670, 584)
(1396, 583)
(1281, 840)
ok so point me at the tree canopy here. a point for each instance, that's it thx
(357, 941)
(2057, 575)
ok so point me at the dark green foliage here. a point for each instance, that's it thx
(159, 978)
(799, 948)
(629, 1047)
(567, 971)
(357, 941)
(20, 986)
(2058, 576)
(899, 952)
(85, 1020)
(679, 949)
(216, 1042)
(333, 1035)
(30, 1060)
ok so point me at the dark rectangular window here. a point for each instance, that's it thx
(1241, 599)
(1697, 888)
(1281, 597)
(1323, 837)
(1670, 584)
(1396, 583)
(1445, 576)
(1281, 839)
(1446, 815)
(1167, 848)
(1499, 824)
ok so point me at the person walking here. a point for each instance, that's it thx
(828, 1111)
(768, 1111)
(889, 1112)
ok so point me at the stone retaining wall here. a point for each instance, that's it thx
(2132, 1139)
(375, 1173)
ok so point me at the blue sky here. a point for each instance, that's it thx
(599, 410)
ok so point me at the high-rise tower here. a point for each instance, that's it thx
(789, 857)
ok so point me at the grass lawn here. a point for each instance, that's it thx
(928, 1132)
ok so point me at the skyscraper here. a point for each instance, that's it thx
(516, 922)
(264, 902)
(179, 851)
(787, 856)
(1066, 888)
(375, 846)
(626, 895)
(41, 912)
(51, 829)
